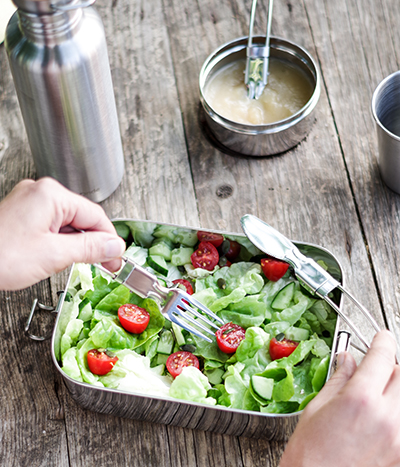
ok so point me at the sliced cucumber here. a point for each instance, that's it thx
(283, 297)
(262, 386)
(186, 237)
(166, 343)
(137, 253)
(122, 230)
(165, 240)
(83, 303)
(165, 231)
(85, 310)
(142, 232)
(162, 359)
(181, 256)
(160, 249)
(158, 264)
(180, 338)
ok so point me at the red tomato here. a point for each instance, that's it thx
(100, 362)
(213, 238)
(177, 361)
(234, 250)
(187, 284)
(229, 336)
(205, 257)
(133, 318)
(273, 268)
(280, 349)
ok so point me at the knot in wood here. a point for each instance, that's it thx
(224, 191)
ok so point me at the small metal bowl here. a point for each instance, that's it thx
(266, 139)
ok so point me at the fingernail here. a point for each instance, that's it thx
(340, 359)
(115, 248)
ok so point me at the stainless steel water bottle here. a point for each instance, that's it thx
(59, 62)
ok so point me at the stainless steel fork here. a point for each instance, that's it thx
(179, 307)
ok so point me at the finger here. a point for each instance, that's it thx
(392, 389)
(88, 247)
(339, 379)
(91, 217)
(113, 265)
(379, 362)
(71, 209)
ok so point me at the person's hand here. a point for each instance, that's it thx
(39, 224)
(355, 419)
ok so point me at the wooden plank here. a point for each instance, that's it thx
(279, 189)
(32, 431)
(326, 191)
(157, 184)
(355, 58)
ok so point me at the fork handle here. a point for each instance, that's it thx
(137, 279)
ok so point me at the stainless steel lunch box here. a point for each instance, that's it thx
(218, 419)
(271, 138)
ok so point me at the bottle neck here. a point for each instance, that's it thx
(49, 29)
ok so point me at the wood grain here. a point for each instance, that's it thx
(327, 191)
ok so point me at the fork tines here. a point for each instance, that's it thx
(185, 312)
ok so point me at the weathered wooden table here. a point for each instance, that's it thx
(326, 191)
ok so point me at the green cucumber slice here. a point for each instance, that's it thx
(180, 338)
(85, 310)
(262, 386)
(166, 343)
(165, 231)
(160, 249)
(162, 359)
(158, 264)
(186, 237)
(181, 256)
(283, 297)
(122, 230)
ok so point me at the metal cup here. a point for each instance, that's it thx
(386, 112)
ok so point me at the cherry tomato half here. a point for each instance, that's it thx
(234, 250)
(187, 284)
(229, 336)
(280, 349)
(205, 257)
(133, 318)
(177, 361)
(101, 362)
(213, 238)
(273, 268)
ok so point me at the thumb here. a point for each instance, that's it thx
(89, 247)
(346, 366)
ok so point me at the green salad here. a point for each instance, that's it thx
(280, 335)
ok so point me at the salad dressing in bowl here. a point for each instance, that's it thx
(287, 91)
(280, 119)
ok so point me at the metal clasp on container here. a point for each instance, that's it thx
(36, 305)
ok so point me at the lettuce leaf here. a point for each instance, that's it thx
(192, 385)
(109, 334)
(248, 312)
